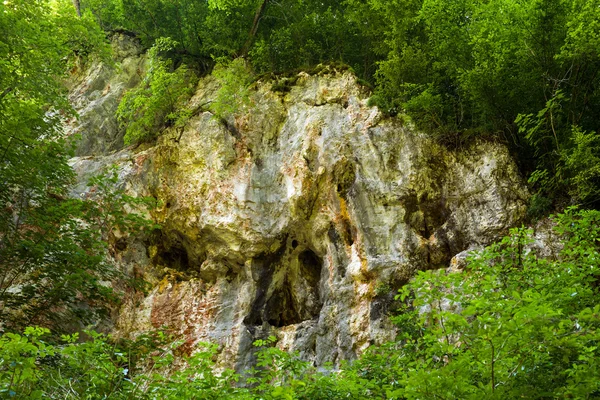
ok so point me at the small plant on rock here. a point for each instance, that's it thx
(160, 100)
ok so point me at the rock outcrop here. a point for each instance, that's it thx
(96, 92)
(301, 222)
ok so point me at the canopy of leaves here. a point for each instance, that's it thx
(52, 247)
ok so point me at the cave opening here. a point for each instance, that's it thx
(292, 297)
(310, 266)
(176, 257)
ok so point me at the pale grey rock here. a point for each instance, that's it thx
(302, 222)
(546, 242)
(96, 92)
(459, 261)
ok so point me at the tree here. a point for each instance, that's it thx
(52, 261)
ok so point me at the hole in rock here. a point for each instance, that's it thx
(287, 290)
(281, 309)
(121, 244)
(176, 257)
(294, 243)
(310, 266)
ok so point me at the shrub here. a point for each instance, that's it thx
(233, 95)
(582, 164)
(160, 100)
(513, 325)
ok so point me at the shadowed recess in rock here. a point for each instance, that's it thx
(176, 257)
(287, 288)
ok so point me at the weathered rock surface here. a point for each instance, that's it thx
(96, 92)
(302, 223)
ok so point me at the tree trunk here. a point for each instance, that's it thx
(77, 6)
(257, 16)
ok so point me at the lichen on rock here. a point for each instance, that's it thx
(304, 224)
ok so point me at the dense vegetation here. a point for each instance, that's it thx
(512, 325)
(40, 236)
(52, 246)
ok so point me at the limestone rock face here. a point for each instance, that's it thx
(302, 222)
(96, 92)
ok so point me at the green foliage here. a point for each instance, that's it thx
(314, 33)
(35, 369)
(160, 100)
(196, 380)
(113, 210)
(108, 14)
(19, 372)
(567, 157)
(582, 166)
(200, 32)
(539, 205)
(36, 39)
(54, 255)
(52, 250)
(460, 68)
(513, 325)
(582, 31)
(382, 288)
(233, 96)
(279, 36)
(82, 35)
(284, 375)
(98, 368)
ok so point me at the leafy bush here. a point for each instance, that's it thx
(19, 364)
(233, 96)
(513, 325)
(160, 100)
(567, 158)
(582, 166)
(98, 368)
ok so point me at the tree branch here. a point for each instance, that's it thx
(77, 6)
(257, 17)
